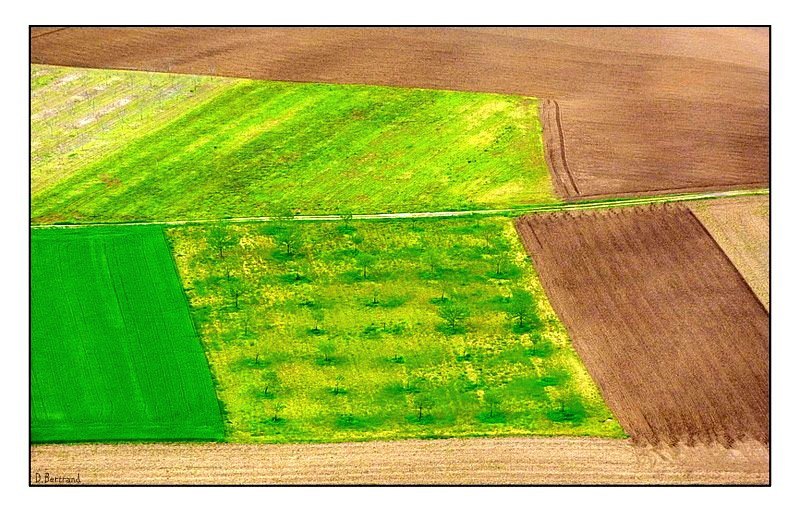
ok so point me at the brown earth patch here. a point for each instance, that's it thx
(472, 461)
(644, 110)
(663, 321)
(668, 146)
(741, 227)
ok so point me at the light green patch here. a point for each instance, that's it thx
(79, 116)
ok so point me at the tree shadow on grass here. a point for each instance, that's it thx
(446, 329)
(401, 389)
(570, 410)
(540, 350)
(496, 417)
(352, 421)
(294, 278)
(426, 419)
(329, 362)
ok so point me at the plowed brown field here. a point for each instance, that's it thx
(667, 146)
(643, 110)
(472, 461)
(741, 227)
(667, 327)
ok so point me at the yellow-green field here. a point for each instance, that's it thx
(340, 331)
(114, 146)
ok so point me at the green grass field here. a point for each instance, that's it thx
(114, 355)
(227, 148)
(363, 330)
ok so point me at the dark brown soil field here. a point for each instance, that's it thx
(665, 324)
(643, 110)
(532, 461)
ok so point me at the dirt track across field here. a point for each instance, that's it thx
(471, 461)
(643, 110)
(663, 321)
(741, 227)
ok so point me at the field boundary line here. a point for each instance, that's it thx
(734, 186)
(515, 211)
(742, 279)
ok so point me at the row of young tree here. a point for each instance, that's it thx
(290, 241)
(567, 407)
(520, 307)
(453, 310)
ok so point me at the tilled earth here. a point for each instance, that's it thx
(741, 228)
(666, 326)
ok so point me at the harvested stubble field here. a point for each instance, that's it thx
(674, 337)
(248, 148)
(644, 110)
(368, 330)
(114, 355)
(496, 461)
(741, 227)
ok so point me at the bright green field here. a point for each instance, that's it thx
(253, 148)
(114, 355)
(320, 332)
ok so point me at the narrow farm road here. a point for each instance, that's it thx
(539, 208)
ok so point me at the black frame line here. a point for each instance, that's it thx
(604, 485)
